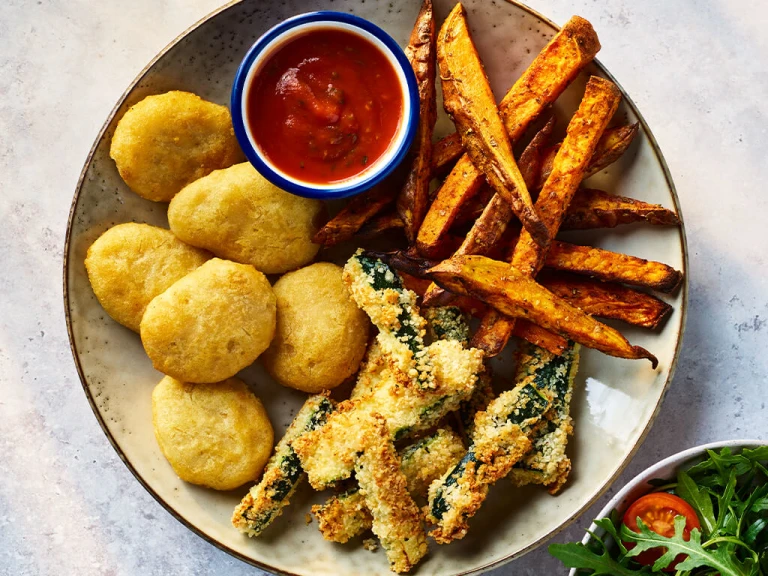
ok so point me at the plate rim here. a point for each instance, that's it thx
(594, 496)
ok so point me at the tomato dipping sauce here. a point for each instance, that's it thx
(325, 106)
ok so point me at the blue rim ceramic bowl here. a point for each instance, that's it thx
(284, 32)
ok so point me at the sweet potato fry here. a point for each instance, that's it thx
(387, 222)
(468, 98)
(539, 336)
(517, 295)
(351, 218)
(597, 209)
(589, 209)
(463, 183)
(611, 146)
(470, 306)
(491, 224)
(600, 101)
(493, 333)
(472, 209)
(414, 197)
(545, 79)
(446, 151)
(607, 300)
(612, 266)
(414, 283)
(474, 307)
(575, 40)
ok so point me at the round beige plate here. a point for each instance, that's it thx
(615, 402)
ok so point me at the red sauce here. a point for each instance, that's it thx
(325, 106)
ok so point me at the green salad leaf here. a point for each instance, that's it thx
(575, 555)
(716, 558)
(699, 499)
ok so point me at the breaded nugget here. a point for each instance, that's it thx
(216, 435)
(321, 334)
(168, 140)
(132, 263)
(210, 324)
(238, 215)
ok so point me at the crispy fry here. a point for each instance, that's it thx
(613, 267)
(515, 294)
(463, 183)
(600, 101)
(351, 218)
(542, 338)
(445, 151)
(545, 79)
(572, 48)
(490, 226)
(523, 328)
(597, 209)
(493, 333)
(414, 197)
(607, 300)
(468, 98)
(470, 306)
(471, 210)
(611, 146)
(576, 40)
(413, 283)
(388, 222)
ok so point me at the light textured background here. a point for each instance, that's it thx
(69, 506)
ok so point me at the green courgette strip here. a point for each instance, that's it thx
(379, 291)
(547, 463)
(283, 473)
(345, 515)
(397, 521)
(501, 438)
(447, 323)
(479, 401)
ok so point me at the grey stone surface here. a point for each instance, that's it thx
(69, 506)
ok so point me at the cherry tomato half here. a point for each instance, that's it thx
(658, 511)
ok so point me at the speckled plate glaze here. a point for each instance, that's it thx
(615, 401)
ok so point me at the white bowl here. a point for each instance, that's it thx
(667, 468)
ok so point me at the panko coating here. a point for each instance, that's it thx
(237, 214)
(216, 435)
(210, 324)
(321, 333)
(166, 141)
(132, 263)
